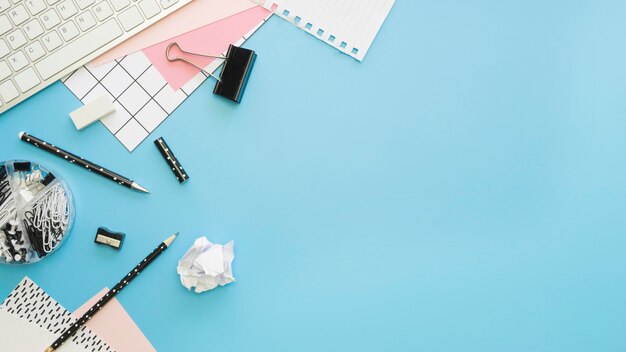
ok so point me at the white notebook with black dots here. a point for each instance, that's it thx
(30, 320)
(348, 25)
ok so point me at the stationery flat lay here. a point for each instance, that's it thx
(311, 175)
(131, 65)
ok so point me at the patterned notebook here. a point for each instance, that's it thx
(31, 303)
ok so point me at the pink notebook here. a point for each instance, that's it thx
(212, 39)
(114, 326)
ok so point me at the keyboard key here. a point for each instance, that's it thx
(35, 51)
(4, 5)
(5, 71)
(150, 8)
(18, 61)
(35, 6)
(4, 49)
(102, 10)
(83, 4)
(78, 49)
(33, 29)
(27, 79)
(52, 2)
(51, 40)
(119, 4)
(50, 18)
(18, 14)
(67, 9)
(5, 25)
(16, 1)
(16, 39)
(130, 18)
(168, 3)
(68, 31)
(85, 20)
(8, 91)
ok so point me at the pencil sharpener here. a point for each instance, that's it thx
(110, 238)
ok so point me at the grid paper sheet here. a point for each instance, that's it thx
(142, 97)
(348, 25)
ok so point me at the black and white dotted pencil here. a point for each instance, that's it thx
(75, 159)
(114, 291)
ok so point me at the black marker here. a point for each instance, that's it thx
(74, 159)
(170, 159)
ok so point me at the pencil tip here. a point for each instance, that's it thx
(20, 134)
(170, 239)
(139, 187)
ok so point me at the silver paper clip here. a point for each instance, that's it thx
(180, 58)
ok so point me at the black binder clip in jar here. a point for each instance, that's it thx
(233, 79)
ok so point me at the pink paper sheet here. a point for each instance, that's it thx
(113, 325)
(194, 15)
(212, 39)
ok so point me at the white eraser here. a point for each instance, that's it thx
(92, 112)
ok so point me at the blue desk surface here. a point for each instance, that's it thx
(463, 189)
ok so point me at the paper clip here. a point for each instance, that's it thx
(234, 76)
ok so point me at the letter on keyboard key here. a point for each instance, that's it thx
(67, 9)
(35, 51)
(16, 39)
(50, 18)
(85, 20)
(27, 79)
(5, 71)
(102, 10)
(5, 25)
(130, 18)
(35, 6)
(18, 14)
(150, 8)
(68, 30)
(78, 49)
(8, 91)
(168, 3)
(18, 61)
(33, 29)
(52, 40)
(4, 49)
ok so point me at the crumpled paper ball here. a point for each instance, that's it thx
(206, 265)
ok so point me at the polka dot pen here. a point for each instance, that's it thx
(114, 291)
(75, 159)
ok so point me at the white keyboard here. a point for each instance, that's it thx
(44, 40)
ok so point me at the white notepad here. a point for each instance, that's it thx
(348, 25)
(18, 335)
